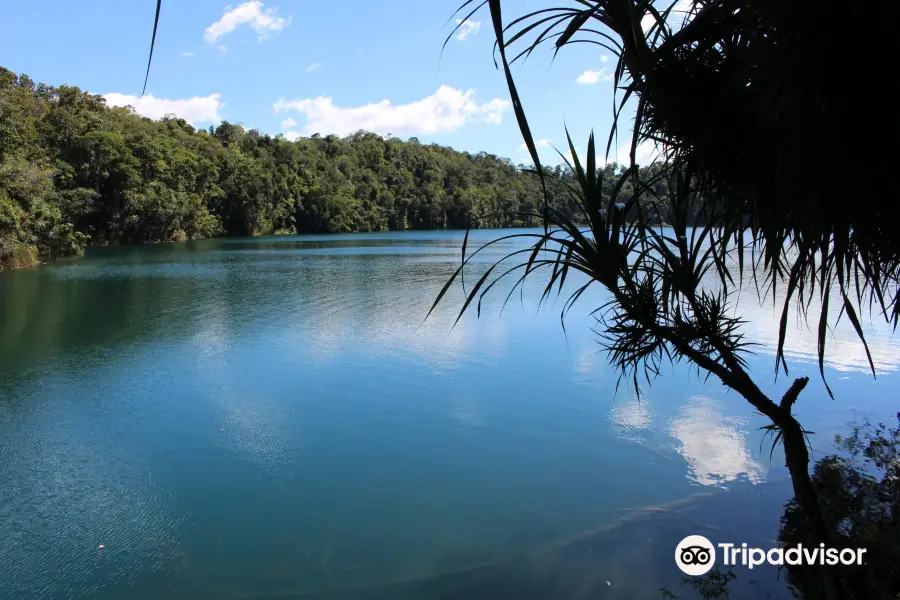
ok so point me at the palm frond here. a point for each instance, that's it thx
(152, 45)
(715, 72)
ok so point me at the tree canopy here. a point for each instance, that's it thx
(74, 171)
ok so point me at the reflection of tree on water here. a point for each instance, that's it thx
(860, 491)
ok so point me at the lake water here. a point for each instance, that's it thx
(271, 418)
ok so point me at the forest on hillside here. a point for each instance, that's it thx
(75, 172)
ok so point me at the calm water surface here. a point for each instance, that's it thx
(271, 418)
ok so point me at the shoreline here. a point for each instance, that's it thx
(19, 264)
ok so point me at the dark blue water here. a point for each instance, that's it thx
(271, 418)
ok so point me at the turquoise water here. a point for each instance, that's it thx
(271, 417)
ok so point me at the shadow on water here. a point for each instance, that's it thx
(631, 558)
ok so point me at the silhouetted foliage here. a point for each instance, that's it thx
(731, 96)
(859, 492)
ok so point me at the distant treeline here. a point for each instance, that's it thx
(74, 172)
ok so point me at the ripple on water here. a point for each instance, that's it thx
(256, 415)
(75, 496)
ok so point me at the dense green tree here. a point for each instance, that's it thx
(74, 172)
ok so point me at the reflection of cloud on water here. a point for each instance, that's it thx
(844, 351)
(320, 344)
(481, 340)
(255, 424)
(467, 414)
(713, 445)
(591, 366)
(436, 342)
(632, 416)
(322, 332)
(584, 362)
(210, 339)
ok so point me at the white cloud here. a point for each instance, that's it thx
(604, 58)
(592, 77)
(222, 48)
(263, 21)
(313, 67)
(682, 9)
(545, 143)
(447, 109)
(678, 15)
(467, 28)
(291, 135)
(199, 109)
(647, 152)
(187, 54)
(288, 123)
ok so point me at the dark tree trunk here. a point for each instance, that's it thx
(796, 458)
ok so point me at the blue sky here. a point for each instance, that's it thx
(298, 67)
